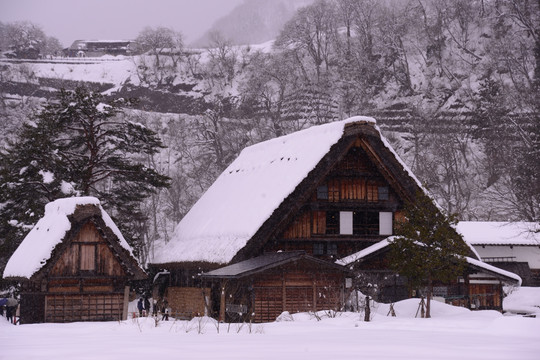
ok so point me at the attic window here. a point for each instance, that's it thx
(383, 193)
(88, 257)
(322, 192)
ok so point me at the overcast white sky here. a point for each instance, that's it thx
(69, 20)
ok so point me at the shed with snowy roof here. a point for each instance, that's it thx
(479, 287)
(513, 246)
(74, 265)
(329, 190)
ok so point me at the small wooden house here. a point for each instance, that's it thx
(512, 246)
(329, 191)
(269, 284)
(74, 265)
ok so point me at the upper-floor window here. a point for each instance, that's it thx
(318, 249)
(332, 222)
(331, 249)
(365, 223)
(383, 193)
(353, 189)
(322, 192)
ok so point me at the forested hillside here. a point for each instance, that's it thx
(454, 86)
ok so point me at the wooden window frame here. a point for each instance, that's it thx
(318, 248)
(95, 255)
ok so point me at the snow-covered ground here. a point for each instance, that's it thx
(452, 333)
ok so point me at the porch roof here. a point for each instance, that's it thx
(264, 262)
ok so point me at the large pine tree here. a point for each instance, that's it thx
(79, 144)
(427, 249)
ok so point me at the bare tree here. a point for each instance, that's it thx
(311, 32)
(166, 47)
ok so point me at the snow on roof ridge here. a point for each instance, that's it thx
(68, 205)
(312, 129)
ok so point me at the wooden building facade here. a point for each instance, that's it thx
(270, 284)
(85, 277)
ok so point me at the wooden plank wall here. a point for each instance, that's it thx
(187, 302)
(485, 295)
(83, 307)
(296, 291)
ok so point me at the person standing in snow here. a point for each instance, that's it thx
(11, 308)
(9, 313)
(147, 305)
(165, 310)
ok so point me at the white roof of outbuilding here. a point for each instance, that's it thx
(36, 248)
(383, 244)
(499, 233)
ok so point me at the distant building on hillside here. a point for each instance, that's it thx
(96, 48)
(513, 246)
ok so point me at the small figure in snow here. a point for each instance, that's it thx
(11, 308)
(165, 310)
(147, 305)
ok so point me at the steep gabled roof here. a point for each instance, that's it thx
(500, 233)
(61, 217)
(265, 184)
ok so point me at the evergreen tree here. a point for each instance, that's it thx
(78, 145)
(426, 248)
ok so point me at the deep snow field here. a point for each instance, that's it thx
(451, 333)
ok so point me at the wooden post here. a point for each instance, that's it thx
(467, 292)
(367, 311)
(126, 301)
(284, 293)
(314, 293)
(222, 302)
(501, 297)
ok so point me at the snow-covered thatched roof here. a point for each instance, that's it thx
(247, 193)
(500, 233)
(37, 247)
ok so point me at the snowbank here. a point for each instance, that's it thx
(452, 333)
(523, 300)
